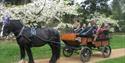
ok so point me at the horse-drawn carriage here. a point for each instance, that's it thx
(28, 37)
(85, 44)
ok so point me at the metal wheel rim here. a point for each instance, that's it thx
(85, 55)
(67, 52)
(107, 51)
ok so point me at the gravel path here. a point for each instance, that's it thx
(95, 57)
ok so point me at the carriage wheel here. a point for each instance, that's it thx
(85, 54)
(106, 51)
(67, 52)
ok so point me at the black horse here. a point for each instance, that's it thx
(26, 40)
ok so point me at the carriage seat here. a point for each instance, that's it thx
(84, 35)
(87, 32)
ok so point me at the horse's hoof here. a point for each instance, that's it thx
(22, 61)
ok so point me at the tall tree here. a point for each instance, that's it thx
(91, 6)
(116, 9)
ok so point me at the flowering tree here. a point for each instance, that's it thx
(101, 18)
(39, 11)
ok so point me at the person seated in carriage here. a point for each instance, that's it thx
(76, 26)
(103, 31)
(88, 31)
(81, 28)
(94, 31)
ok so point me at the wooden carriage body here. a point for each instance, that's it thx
(70, 39)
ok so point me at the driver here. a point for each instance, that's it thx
(76, 26)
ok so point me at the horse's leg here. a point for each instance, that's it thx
(29, 53)
(55, 52)
(22, 54)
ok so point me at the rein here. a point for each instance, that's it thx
(21, 31)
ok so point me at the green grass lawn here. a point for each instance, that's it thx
(9, 50)
(115, 60)
(118, 41)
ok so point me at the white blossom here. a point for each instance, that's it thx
(39, 10)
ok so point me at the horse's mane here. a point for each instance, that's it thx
(17, 22)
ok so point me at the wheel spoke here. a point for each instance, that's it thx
(106, 51)
(85, 54)
(67, 52)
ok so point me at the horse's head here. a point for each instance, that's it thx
(6, 26)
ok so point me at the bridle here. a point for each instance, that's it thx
(1, 33)
(20, 32)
